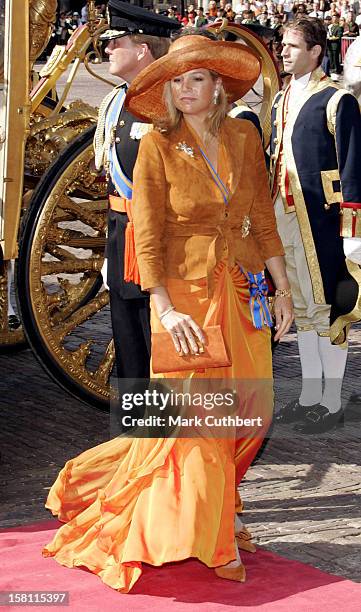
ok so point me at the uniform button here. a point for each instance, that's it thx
(117, 140)
(273, 156)
(327, 206)
(121, 123)
(275, 123)
(275, 140)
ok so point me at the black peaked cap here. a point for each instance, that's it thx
(126, 18)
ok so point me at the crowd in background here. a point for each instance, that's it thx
(68, 21)
(342, 19)
(270, 13)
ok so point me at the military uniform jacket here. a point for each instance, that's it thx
(321, 143)
(125, 137)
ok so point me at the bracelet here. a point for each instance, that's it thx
(283, 293)
(167, 311)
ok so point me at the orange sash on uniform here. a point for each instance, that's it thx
(131, 270)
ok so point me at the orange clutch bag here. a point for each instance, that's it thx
(166, 359)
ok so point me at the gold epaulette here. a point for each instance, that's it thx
(332, 105)
(138, 130)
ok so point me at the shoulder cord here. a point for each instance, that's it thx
(102, 141)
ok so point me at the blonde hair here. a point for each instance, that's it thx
(214, 119)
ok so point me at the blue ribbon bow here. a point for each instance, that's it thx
(258, 302)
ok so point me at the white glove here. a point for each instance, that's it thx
(182, 328)
(352, 249)
(104, 273)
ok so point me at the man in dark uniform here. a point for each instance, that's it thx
(135, 39)
(316, 181)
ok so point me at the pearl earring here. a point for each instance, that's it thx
(215, 96)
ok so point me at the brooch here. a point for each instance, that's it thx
(182, 146)
(246, 226)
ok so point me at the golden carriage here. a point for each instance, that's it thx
(53, 202)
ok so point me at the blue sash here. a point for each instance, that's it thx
(258, 301)
(217, 179)
(121, 182)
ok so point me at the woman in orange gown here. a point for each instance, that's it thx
(204, 229)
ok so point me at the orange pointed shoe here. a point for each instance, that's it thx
(232, 573)
(244, 540)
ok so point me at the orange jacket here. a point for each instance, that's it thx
(182, 226)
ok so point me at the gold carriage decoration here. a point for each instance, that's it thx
(53, 202)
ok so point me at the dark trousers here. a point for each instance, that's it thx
(334, 51)
(129, 307)
(131, 333)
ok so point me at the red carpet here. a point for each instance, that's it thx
(274, 584)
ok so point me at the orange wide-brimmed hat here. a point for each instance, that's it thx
(236, 64)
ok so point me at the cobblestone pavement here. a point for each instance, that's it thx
(302, 498)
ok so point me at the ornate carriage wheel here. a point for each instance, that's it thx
(64, 306)
(269, 71)
(47, 138)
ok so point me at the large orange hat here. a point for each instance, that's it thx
(238, 66)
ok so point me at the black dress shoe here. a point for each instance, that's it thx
(13, 322)
(319, 419)
(291, 412)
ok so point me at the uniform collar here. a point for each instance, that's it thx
(302, 82)
(314, 79)
(317, 75)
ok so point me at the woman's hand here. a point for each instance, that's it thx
(184, 332)
(182, 328)
(282, 305)
(283, 310)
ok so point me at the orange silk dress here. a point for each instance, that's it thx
(131, 501)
